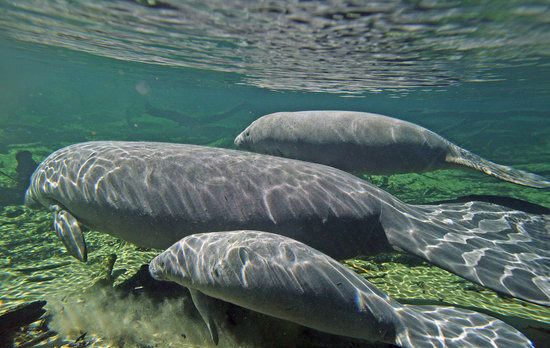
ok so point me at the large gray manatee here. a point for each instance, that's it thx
(154, 194)
(365, 142)
(284, 278)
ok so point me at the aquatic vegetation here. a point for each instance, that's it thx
(450, 183)
(35, 264)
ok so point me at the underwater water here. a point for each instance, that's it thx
(199, 72)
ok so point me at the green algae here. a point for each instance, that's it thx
(423, 188)
(34, 264)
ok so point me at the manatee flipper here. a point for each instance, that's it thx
(437, 326)
(68, 230)
(499, 248)
(205, 305)
(465, 158)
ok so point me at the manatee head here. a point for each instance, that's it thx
(244, 140)
(209, 262)
(35, 197)
(170, 265)
(259, 132)
(188, 262)
(30, 200)
(268, 134)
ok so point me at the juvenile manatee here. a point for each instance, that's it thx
(284, 278)
(154, 194)
(369, 143)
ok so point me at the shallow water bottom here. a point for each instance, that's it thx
(104, 304)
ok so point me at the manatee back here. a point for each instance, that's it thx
(153, 194)
(351, 141)
(284, 278)
(281, 277)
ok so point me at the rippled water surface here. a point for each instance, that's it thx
(199, 72)
(334, 46)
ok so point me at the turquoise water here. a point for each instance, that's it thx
(476, 73)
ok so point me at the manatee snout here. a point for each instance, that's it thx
(154, 269)
(166, 267)
(242, 140)
(30, 201)
(158, 267)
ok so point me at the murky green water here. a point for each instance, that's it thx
(478, 74)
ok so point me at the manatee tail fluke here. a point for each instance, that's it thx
(436, 326)
(499, 248)
(465, 158)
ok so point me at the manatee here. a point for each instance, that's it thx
(362, 142)
(154, 194)
(283, 278)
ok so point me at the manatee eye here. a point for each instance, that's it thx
(247, 133)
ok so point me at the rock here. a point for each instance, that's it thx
(18, 317)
